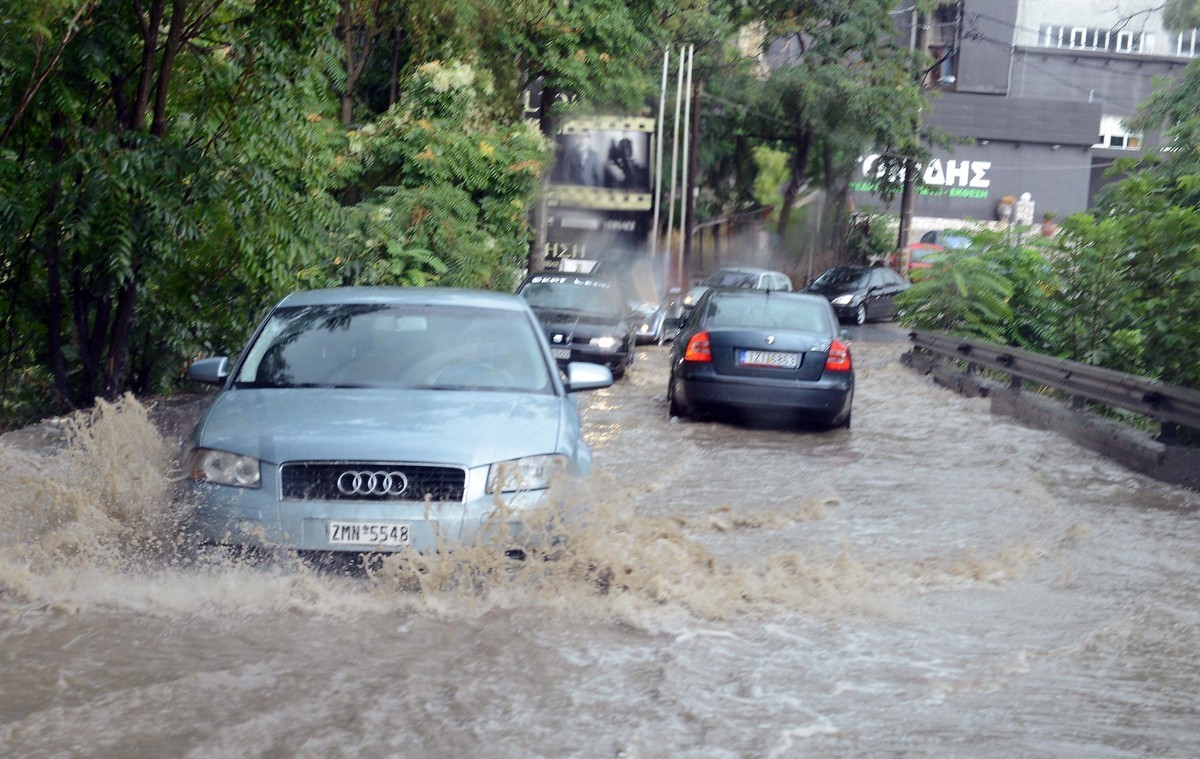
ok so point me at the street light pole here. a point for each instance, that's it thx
(907, 195)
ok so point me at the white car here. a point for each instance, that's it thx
(738, 276)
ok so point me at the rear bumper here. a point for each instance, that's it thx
(827, 398)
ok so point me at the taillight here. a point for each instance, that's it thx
(839, 357)
(699, 348)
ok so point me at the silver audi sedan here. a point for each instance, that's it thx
(383, 419)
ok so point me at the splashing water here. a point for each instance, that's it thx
(95, 523)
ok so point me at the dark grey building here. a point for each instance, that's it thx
(1036, 93)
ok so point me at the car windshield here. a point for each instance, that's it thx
(397, 346)
(767, 312)
(843, 276)
(731, 279)
(573, 294)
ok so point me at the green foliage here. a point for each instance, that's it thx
(846, 89)
(770, 177)
(448, 189)
(964, 294)
(1117, 287)
(871, 237)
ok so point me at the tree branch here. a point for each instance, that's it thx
(33, 88)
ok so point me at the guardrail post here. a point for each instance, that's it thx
(1078, 403)
(1169, 432)
(1015, 383)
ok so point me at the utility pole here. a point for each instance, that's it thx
(907, 195)
(692, 161)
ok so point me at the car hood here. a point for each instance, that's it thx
(575, 322)
(832, 290)
(465, 428)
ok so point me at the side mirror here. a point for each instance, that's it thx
(211, 371)
(585, 376)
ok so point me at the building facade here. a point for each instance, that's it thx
(1037, 95)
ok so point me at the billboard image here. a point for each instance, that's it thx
(603, 162)
(600, 197)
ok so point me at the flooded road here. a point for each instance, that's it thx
(933, 582)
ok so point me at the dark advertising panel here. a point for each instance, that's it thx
(601, 195)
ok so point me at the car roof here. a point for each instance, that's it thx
(748, 270)
(569, 278)
(761, 293)
(421, 296)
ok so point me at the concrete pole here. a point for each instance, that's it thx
(658, 159)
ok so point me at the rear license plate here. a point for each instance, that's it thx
(773, 359)
(563, 354)
(368, 533)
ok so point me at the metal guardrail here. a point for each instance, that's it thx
(1170, 404)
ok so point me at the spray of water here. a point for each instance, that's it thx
(94, 523)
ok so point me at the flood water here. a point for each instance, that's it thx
(933, 582)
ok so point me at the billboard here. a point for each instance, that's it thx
(601, 192)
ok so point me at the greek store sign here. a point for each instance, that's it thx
(951, 178)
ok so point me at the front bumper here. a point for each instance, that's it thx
(614, 360)
(227, 515)
(846, 313)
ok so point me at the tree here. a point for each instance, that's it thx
(121, 158)
(447, 189)
(837, 84)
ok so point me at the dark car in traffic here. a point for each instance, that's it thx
(860, 294)
(762, 350)
(585, 319)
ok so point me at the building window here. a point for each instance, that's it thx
(1091, 38)
(1113, 134)
(1188, 43)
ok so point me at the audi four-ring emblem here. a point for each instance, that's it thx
(372, 483)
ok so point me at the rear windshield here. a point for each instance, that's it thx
(767, 312)
(732, 279)
(391, 346)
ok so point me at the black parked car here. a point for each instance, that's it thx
(860, 293)
(584, 317)
(762, 350)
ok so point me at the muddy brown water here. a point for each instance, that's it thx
(933, 582)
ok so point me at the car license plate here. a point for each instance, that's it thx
(774, 359)
(368, 533)
(562, 354)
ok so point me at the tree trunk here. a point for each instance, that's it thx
(166, 67)
(117, 368)
(796, 182)
(394, 80)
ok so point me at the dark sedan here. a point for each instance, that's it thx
(585, 319)
(762, 350)
(860, 294)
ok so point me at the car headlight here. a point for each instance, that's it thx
(223, 468)
(842, 300)
(529, 473)
(606, 343)
(688, 300)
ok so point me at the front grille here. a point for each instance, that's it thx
(318, 481)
